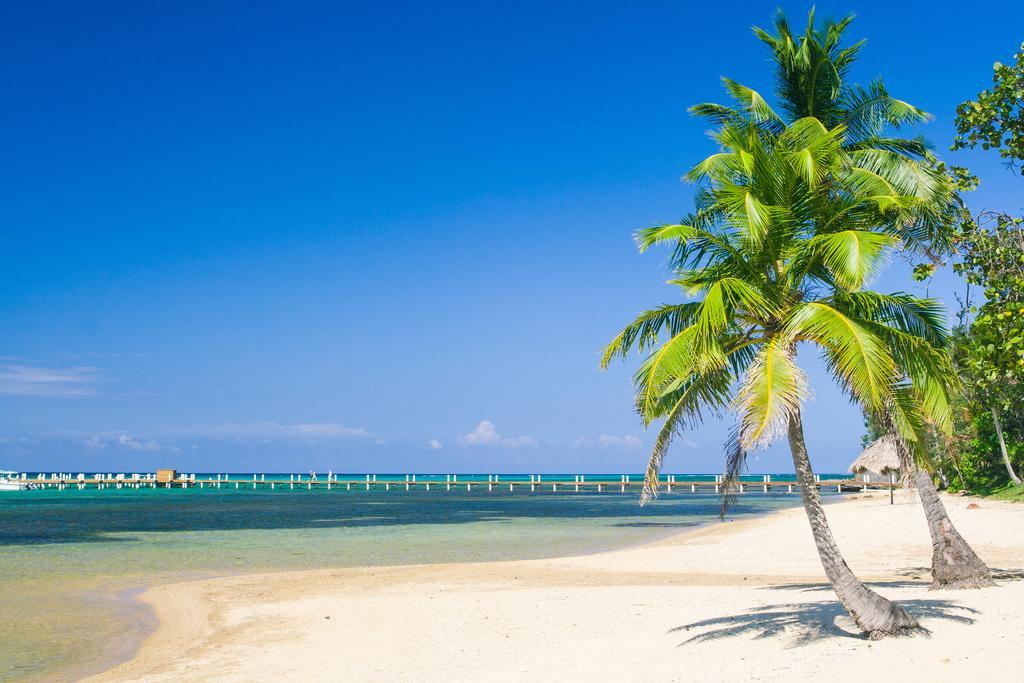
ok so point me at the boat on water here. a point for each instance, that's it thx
(9, 482)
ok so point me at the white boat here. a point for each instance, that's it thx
(9, 482)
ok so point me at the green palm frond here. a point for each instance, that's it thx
(856, 356)
(924, 318)
(685, 407)
(870, 110)
(771, 390)
(852, 256)
(644, 331)
(717, 114)
(759, 109)
(661, 234)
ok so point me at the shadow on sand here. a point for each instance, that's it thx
(1004, 574)
(803, 623)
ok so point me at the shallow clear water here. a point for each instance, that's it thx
(70, 560)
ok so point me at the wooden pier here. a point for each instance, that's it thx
(452, 483)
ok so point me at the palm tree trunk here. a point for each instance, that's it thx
(873, 614)
(954, 562)
(1002, 447)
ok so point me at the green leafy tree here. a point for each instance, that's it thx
(995, 119)
(991, 354)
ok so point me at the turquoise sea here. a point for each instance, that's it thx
(71, 561)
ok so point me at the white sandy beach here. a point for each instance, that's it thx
(730, 601)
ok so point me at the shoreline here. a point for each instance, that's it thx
(245, 625)
(145, 618)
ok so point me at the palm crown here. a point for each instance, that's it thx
(793, 217)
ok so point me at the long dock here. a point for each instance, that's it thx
(494, 483)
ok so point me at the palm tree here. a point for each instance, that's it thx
(790, 223)
(810, 74)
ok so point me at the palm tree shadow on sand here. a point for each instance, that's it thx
(807, 622)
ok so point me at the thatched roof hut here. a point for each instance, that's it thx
(878, 459)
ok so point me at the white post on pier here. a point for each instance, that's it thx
(767, 479)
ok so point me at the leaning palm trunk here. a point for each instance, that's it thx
(1002, 447)
(954, 562)
(873, 614)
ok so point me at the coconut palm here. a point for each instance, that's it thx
(811, 81)
(790, 223)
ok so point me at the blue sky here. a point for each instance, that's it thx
(382, 238)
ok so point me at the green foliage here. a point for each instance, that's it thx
(1012, 494)
(795, 213)
(995, 120)
(976, 457)
(873, 430)
(991, 354)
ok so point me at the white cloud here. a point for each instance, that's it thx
(690, 444)
(625, 441)
(28, 380)
(486, 434)
(519, 442)
(271, 430)
(136, 445)
(435, 444)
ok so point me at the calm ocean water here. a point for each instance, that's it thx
(71, 560)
